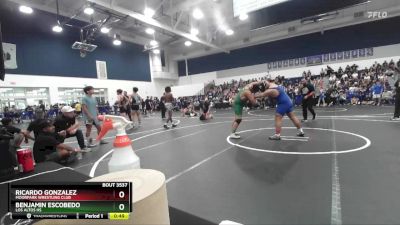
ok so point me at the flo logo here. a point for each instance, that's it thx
(377, 14)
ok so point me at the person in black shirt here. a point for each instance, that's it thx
(143, 107)
(48, 148)
(396, 115)
(128, 106)
(18, 133)
(6, 123)
(67, 126)
(40, 110)
(122, 102)
(33, 127)
(307, 90)
(162, 106)
(148, 105)
(206, 110)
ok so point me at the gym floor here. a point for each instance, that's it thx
(345, 171)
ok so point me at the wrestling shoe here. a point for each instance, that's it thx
(275, 137)
(90, 143)
(86, 150)
(300, 134)
(234, 136)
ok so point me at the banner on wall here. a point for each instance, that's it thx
(347, 55)
(10, 56)
(354, 54)
(370, 51)
(310, 60)
(326, 57)
(101, 67)
(339, 55)
(332, 56)
(314, 60)
(361, 52)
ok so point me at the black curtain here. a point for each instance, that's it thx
(2, 67)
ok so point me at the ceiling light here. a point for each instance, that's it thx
(105, 30)
(198, 14)
(153, 43)
(117, 39)
(149, 12)
(194, 31)
(25, 9)
(88, 10)
(243, 16)
(156, 51)
(188, 43)
(150, 31)
(117, 42)
(229, 32)
(57, 28)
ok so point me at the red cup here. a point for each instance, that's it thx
(25, 160)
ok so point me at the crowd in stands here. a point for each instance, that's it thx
(349, 85)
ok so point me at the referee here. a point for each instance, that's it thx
(396, 115)
(307, 89)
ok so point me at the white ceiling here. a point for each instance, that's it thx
(176, 15)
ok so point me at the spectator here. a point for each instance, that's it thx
(128, 105)
(162, 106)
(18, 134)
(396, 115)
(135, 101)
(78, 108)
(67, 126)
(90, 113)
(48, 148)
(377, 90)
(321, 98)
(122, 103)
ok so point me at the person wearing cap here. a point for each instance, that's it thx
(67, 126)
(47, 147)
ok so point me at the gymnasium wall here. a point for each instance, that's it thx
(43, 52)
(372, 34)
(53, 83)
(380, 55)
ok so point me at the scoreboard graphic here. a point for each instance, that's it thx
(100, 200)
